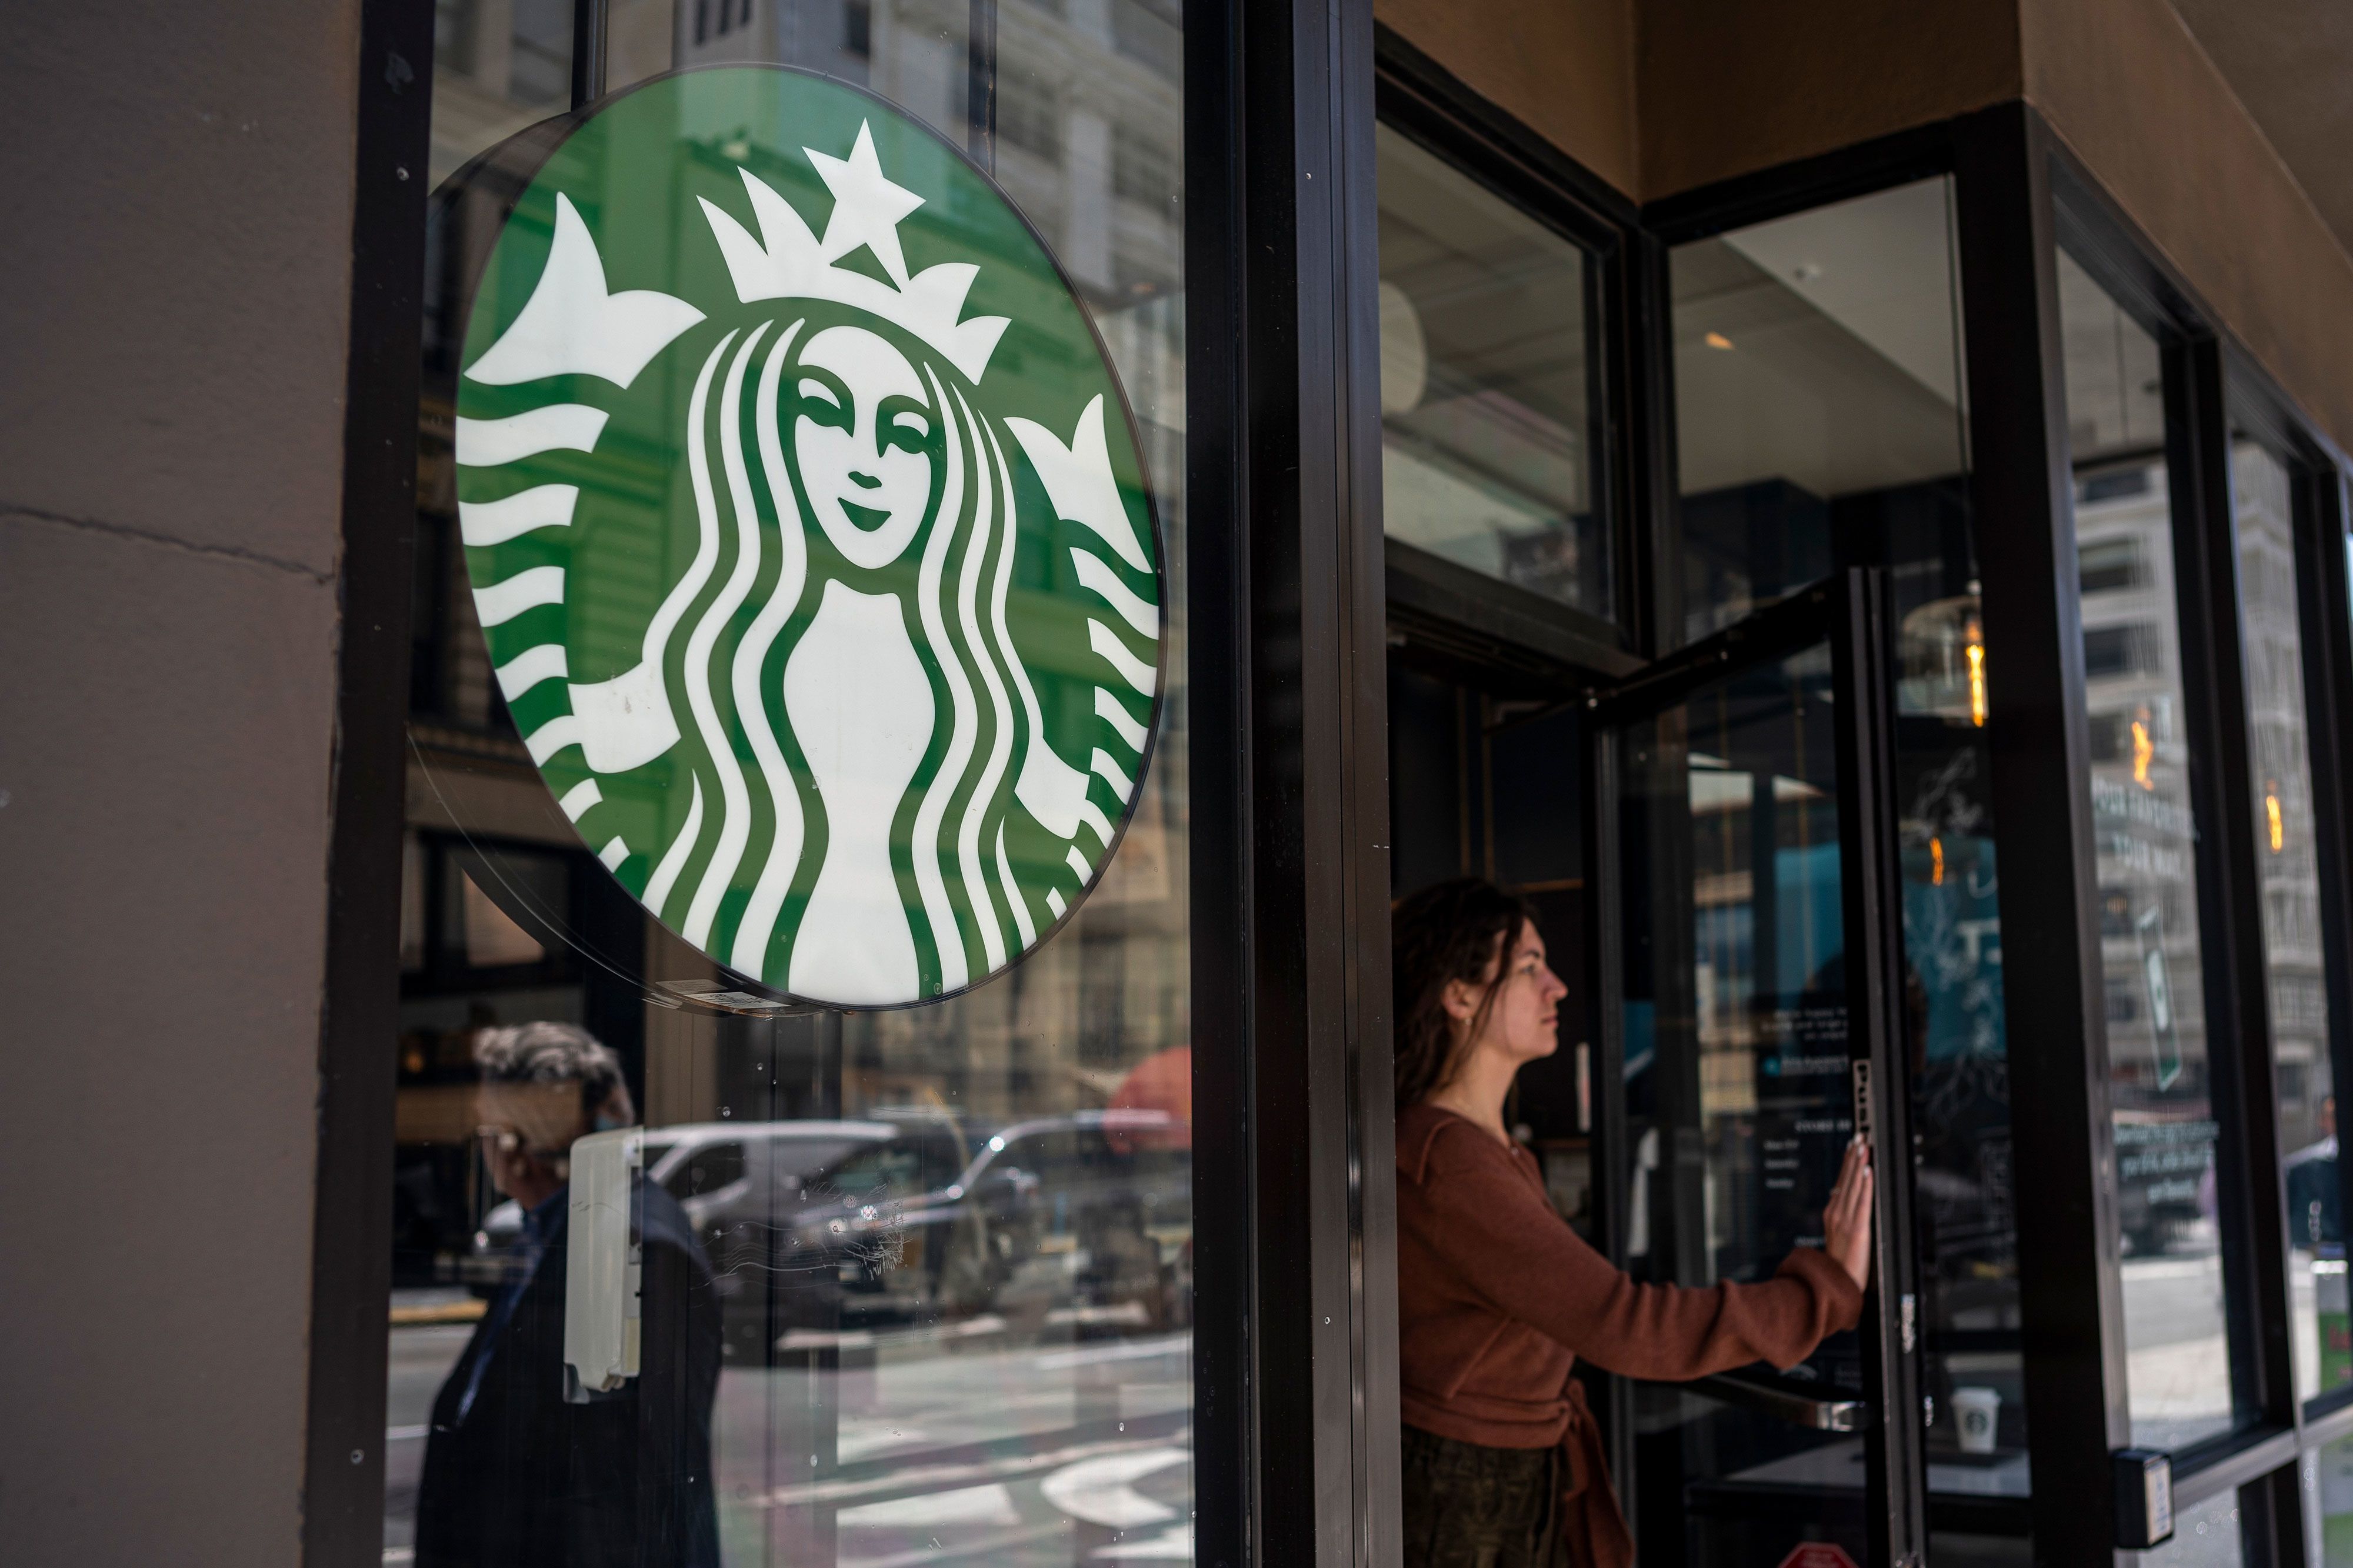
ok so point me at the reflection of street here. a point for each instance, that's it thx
(946, 1447)
(2178, 1359)
(422, 1355)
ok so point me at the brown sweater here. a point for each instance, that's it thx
(1497, 1298)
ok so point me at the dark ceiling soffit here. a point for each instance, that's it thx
(1509, 620)
(2094, 230)
(1406, 80)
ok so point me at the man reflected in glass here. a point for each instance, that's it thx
(2313, 1200)
(523, 1467)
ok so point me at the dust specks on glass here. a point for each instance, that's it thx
(2210, 1534)
(2328, 1483)
(871, 1286)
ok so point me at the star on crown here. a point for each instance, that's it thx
(789, 262)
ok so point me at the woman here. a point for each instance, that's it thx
(1498, 1297)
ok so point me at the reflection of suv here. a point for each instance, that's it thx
(1082, 1220)
(718, 1171)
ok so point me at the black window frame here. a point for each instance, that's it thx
(1291, 580)
(1289, 874)
(1941, 150)
(1436, 599)
(2025, 198)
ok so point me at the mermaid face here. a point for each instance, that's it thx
(864, 440)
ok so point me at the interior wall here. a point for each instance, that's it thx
(1565, 67)
(2127, 87)
(179, 190)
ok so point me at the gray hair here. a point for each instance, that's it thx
(552, 1053)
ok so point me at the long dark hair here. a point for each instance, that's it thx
(1450, 932)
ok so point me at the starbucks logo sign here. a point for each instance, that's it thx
(809, 533)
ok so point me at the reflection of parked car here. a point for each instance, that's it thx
(1082, 1220)
(716, 1170)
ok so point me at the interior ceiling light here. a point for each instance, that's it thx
(1716, 340)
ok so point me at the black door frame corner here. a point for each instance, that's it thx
(350, 1239)
(1296, 1380)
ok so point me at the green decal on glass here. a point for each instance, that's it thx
(809, 533)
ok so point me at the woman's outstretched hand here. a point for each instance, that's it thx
(1846, 1218)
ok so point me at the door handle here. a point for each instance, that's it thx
(1795, 1400)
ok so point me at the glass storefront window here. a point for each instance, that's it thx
(1490, 405)
(911, 1283)
(1738, 1100)
(2288, 888)
(2328, 1491)
(2176, 1319)
(498, 66)
(1821, 421)
(1816, 359)
(2209, 1534)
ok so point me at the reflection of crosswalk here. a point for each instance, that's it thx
(978, 1450)
(1176, 1545)
(990, 1504)
(1101, 1490)
(1098, 1493)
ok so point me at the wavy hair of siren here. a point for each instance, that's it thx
(1454, 930)
(960, 813)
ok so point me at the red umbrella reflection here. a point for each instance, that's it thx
(1159, 1091)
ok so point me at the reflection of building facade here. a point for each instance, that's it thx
(2287, 851)
(1088, 144)
(2140, 802)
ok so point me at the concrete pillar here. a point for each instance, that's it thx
(179, 190)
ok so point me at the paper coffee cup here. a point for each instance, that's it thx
(1978, 1412)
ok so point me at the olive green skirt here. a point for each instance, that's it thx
(1469, 1506)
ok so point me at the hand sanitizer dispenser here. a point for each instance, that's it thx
(601, 1266)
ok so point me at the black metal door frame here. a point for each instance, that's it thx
(1295, 1368)
(1849, 613)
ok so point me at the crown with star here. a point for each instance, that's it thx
(789, 262)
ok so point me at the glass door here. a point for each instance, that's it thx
(1747, 857)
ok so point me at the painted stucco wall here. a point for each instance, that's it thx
(177, 191)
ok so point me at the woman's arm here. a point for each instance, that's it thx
(1507, 1245)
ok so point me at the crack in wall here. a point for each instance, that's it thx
(10, 512)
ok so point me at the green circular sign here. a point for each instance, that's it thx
(809, 534)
